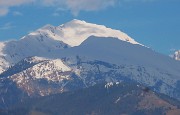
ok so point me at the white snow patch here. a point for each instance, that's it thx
(76, 31)
(119, 98)
(176, 55)
(108, 85)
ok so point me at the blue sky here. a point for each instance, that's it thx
(154, 23)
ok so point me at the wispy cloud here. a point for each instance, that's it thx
(75, 6)
(137, 0)
(6, 4)
(7, 26)
(58, 11)
(56, 14)
(17, 13)
(173, 49)
(3, 11)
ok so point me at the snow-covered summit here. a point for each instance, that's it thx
(76, 31)
(55, 69)
(49, 38)
(176, 55)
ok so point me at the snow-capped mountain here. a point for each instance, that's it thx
(176, 55)
(46, 62)
(54, 73)
(50, 38)
(83, 66)
(76, 31)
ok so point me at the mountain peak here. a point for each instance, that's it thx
(78, 21)
(50, 38)
(79, 30)
(73, 33)
(47, 26)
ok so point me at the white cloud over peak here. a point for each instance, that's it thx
(75, 6)
(16, 13)
(88, 5)
(6, 4)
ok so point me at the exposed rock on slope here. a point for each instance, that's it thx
(176, 55)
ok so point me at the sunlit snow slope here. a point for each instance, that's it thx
(46, 62)
(50, 38)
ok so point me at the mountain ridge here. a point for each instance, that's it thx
(118, 98)
(88, 67)
(42, 64)
(49, 38)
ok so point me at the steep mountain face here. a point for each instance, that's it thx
(31, 45)
(102, 99)
(34, 77)
(176, 55)
(22, 65)
(136, 62)
(46, 62)
(75, 32)
(49, 38)
(47, 78)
